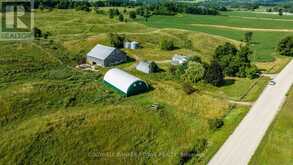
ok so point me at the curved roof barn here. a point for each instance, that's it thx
(124, 82)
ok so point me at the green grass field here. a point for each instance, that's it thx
(264, 42)
(276, 147)
(52, 113)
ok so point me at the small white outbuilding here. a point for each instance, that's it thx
(131, 45)
(179, 59)
(124, 82)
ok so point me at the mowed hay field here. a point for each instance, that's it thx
(276, 148)
(268, 30)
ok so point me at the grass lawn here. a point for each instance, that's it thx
(236, 89)
(277, 145)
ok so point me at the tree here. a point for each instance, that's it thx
(248, 36)
(234, 62)
(121, 18)
(167, 44)
(252, 72)
(188, 44)
(132, 14)
(146, 14)
(224, 55)
(116, 40)
(177, 71)
(214, 74)
(111, 13)
(194, 72)
(154, 67)
(37, 32)
(285, 46)
(281, 12)
(116, 12)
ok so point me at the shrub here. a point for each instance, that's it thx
(116, 40)
(37, 32)
(132, 14)
(167, 44)
(195, 59)
(111, 13)
(188, 88)
(215, 124)
(172, 70)
(252, 72)
(285, 46)
(188, 44)
(194, 72)
(121, 18)
(154, 67)
(248, 36)
(199, 147)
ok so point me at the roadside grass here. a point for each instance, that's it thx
(273, 67)
(236, 89)
(218, 138)
(276, 147)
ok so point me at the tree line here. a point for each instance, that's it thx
(159, 8)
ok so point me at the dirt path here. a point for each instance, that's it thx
(243, 29)
(241, 103)
(266, 19)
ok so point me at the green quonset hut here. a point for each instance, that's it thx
(124, 82)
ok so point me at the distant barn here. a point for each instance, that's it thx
(124, 82)
(105, 56)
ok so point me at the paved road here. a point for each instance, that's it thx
(242, 143)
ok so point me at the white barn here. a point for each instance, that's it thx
(105, 56)
(124, 82)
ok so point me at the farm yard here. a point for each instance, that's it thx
(49, 106)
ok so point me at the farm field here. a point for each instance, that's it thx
(264, 40)
(49, 108)
(278, 139)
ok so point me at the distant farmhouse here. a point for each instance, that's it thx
(105, 56)
(147, 67)
(179, 59)
(124, 82)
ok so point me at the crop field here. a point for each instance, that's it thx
(278, 139)
(49, 108)
(267, 32)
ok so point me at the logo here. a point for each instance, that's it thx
(16, 19)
